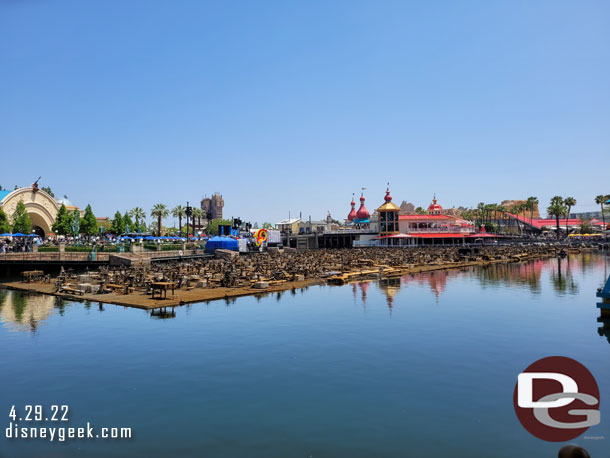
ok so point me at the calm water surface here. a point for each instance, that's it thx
(424, 366)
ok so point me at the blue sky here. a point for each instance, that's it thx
(293, 106)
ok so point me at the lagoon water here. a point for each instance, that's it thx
(424, 366)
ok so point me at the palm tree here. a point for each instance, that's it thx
(179, 212)
(159, 211)
(502, 210)
(600, 200)
(197, 213)
(569, 202)
(531, 205)
(481, 212)
(138, 215)
(557, 209)
(516, 209)
(468, 215)
(493, 209)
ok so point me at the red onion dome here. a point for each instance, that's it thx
(352, 213)
(388, 197)
(362, 212)
(434, 208)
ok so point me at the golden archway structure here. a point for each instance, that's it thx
(40, 206)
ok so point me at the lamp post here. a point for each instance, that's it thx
(189, 211)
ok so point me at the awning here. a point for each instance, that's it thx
(394, 236)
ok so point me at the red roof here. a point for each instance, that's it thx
(562, 222)
(434, 207)
(441, 235)
(424, 217)
(437, 235)
(394, 236)
(541, 222)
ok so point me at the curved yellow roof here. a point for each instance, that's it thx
(389, 206)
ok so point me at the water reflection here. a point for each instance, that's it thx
(560, 275)
(526, 274)
(604, 329)
(23, 311)
(390, 287)
(562, 278)
(163, 313)
(435, 280)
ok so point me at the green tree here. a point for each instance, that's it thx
(600, 200)
(5, 227)
(197, 215)
(187, 229)
(420, 211)
(159, 211)
(104, 226)
(21, 220)
(516, 210)
(128, 225)
(557, 209)
(88, 225)
(532, 203)
(75, 223)
(212, 228)
(267, 225)
(569, 202)
(586, 227)
(502, 210)
(48, 190)
(152, 227)
(61, 225)
(179, 212)
(139, 216)
(118, 225)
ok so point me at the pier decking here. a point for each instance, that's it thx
(364, 269)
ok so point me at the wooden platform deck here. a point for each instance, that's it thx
(144, 301)
(184, 296)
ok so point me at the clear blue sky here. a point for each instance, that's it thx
(294, 105)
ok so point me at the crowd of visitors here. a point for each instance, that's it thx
(18, 244)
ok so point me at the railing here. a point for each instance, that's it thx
(365, 243)
(172, 253)
(46, 257)
(455, 230)
(350, 231)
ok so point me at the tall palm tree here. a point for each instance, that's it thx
(179, 212)
(531, 206)
(516, 209)
(502, 210)
(159, 211)
(600, 200)
(528, 206)
(138, 215)
(557, 209)
(569, 202)
(197, 213)
(481, 212)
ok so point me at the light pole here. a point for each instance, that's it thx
(189, 211)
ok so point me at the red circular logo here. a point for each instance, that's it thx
(556, 399)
